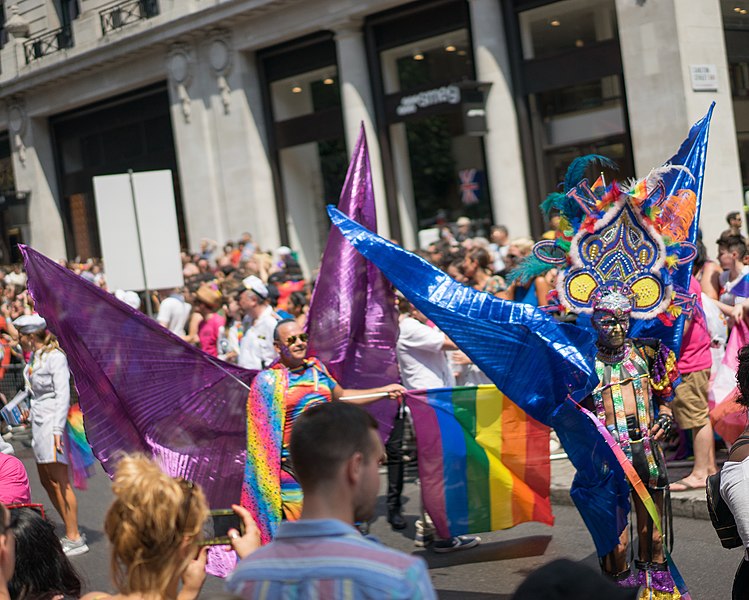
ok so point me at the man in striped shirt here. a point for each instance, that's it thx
(336, 453)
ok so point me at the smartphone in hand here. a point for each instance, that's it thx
(216, 527)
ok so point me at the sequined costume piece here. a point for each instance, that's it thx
(278, 395)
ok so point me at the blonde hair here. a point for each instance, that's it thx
(524, 245)
(150, 517)
(47, 338)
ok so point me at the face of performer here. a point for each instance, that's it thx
(291, 344)
(611, 328)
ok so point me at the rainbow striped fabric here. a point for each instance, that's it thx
(80, 456)
(483, 462)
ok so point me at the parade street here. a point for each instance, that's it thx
(493, 570)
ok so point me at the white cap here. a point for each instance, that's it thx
(30, 324)
(130, 298)
(256, 285)
(283, 251)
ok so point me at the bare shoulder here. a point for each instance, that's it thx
(97, 596)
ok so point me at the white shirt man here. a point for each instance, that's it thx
(173, 313)
(256, 350)
(421, 354)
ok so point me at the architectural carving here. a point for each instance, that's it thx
(16, 25)
(17, 121)
(220, 60)
(180, 64)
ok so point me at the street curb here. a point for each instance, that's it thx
(690, 507)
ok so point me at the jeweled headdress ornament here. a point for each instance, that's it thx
(625, 239)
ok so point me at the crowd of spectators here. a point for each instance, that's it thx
(232, 300)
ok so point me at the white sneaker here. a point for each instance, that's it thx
(460, 542)
(74, 547)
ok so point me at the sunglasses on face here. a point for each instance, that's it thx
(291, 340)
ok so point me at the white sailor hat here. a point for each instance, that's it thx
(256, 285)
(30, 324)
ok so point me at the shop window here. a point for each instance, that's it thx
(7, 181)
(310, 155)
(3, 32)
(736, 24)
(566, 26)
(132, 131)
(574, 111)
(440, 168)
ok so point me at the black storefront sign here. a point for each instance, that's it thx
(468, 97)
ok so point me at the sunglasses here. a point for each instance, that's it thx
(291, 340)
(36, 507)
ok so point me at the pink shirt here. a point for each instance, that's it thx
(695, 346)
(14, 483)
(208, 333)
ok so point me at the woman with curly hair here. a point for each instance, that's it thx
(155, 526)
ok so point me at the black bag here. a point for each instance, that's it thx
(720, 514)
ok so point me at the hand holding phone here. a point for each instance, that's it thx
(217, 526)
(246, 543)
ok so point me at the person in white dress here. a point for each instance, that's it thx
(48, 382)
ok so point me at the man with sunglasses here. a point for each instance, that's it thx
(299, 382)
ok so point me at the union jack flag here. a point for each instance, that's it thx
(469, 186)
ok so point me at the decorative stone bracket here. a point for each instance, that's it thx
(17, 124)
(220, 59)
(180, 64)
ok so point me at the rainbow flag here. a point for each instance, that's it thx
(483, 462)
(80, 456)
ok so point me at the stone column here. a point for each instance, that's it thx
(231, 90)
(34, 171)
(502, 142)
(662, 104)
(202, 194)
(358, 107)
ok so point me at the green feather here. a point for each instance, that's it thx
(528, 269)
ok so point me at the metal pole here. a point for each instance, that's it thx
(149, 308)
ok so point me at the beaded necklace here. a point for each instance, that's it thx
(630, 367)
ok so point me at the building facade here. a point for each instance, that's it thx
(471, 107)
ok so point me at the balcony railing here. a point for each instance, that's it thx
(48, 43)
(127, 12)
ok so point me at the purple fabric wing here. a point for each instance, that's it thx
(143, 389)
(353, 323)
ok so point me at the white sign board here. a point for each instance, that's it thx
(704, 78)
(159, 235)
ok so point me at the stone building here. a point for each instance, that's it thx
(472, 107)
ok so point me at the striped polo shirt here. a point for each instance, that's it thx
(326, 558)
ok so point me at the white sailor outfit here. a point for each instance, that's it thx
(48, 378)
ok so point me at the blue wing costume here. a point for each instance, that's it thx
(545, 366)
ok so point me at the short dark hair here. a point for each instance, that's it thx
(481, 256)
(732, 215)
(42, 569)
(281, 323)
(325, 436)
(734, 243)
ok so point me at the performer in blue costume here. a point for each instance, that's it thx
(514, 343)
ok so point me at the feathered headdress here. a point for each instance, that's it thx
(570, 216)
(626, 239)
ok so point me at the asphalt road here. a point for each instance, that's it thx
(492, 570)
